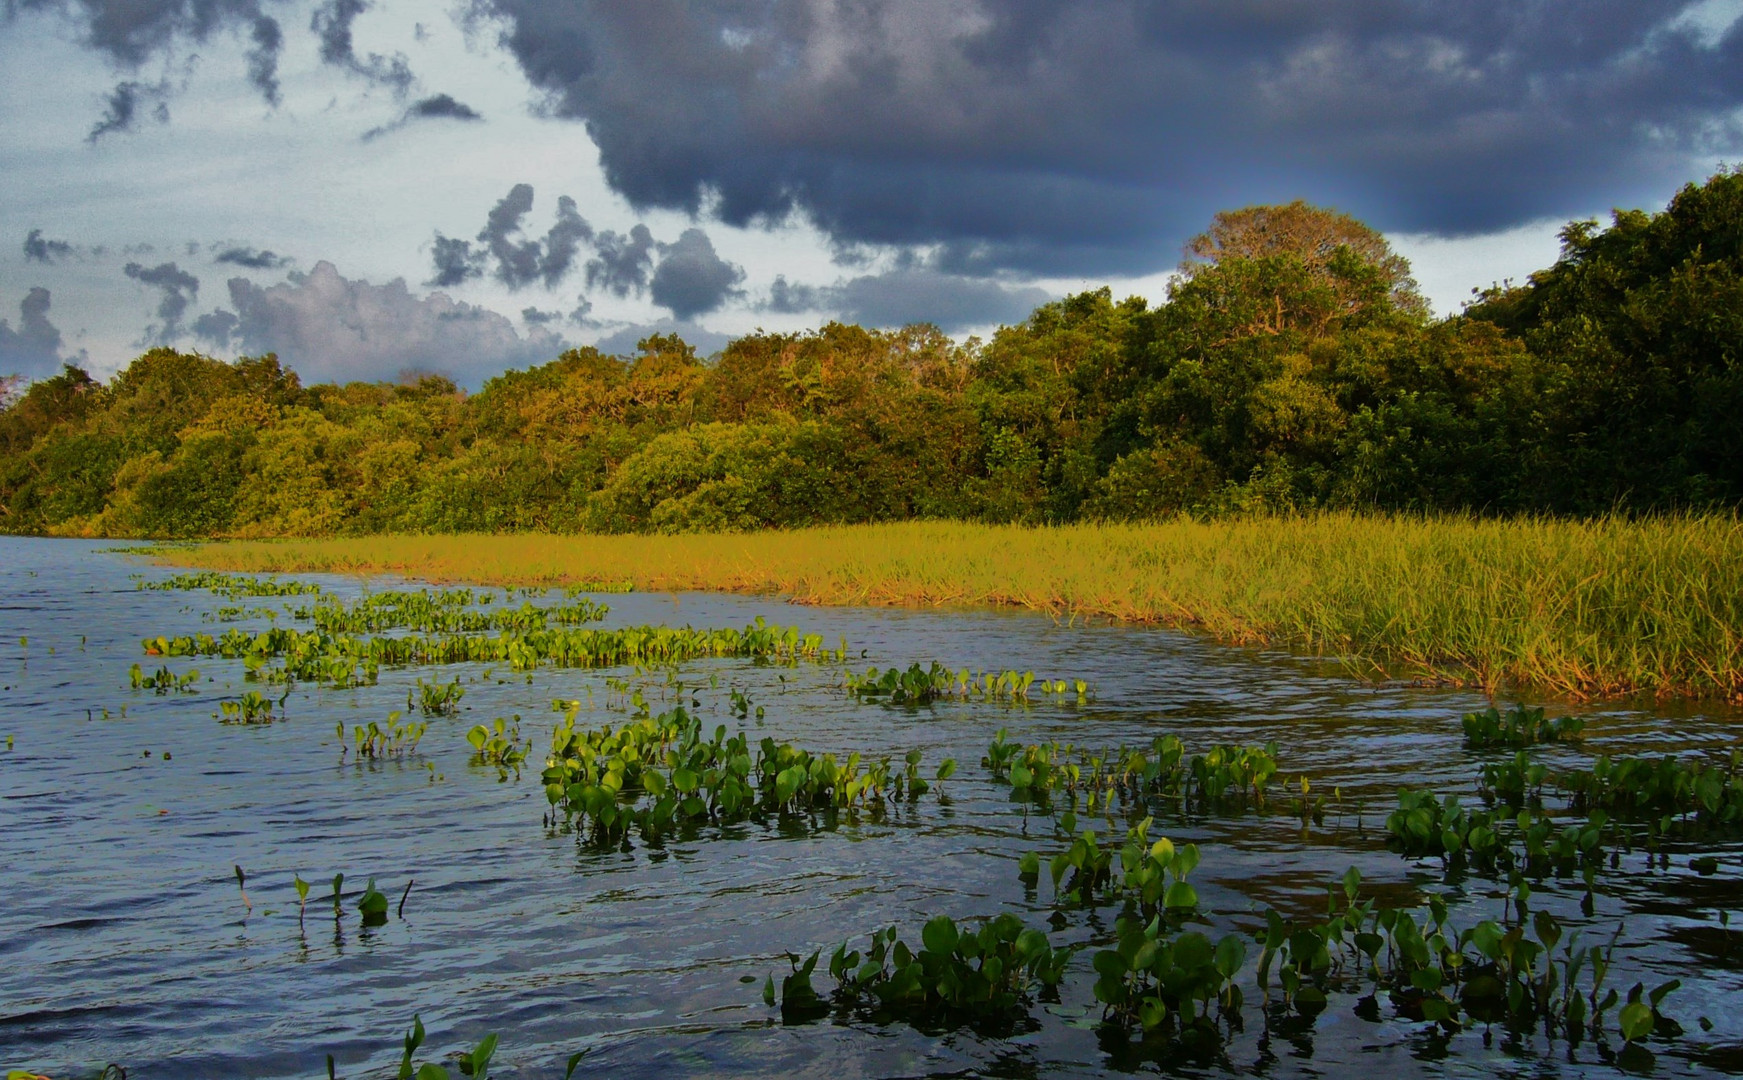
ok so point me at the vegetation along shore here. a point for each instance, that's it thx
(1577, 608)
(1539, 490)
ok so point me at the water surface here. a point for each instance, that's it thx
(124, 937)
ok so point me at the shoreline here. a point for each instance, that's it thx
(1597, 609)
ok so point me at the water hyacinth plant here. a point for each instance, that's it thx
(164, 681)
(1520, 726)
(989, 971)
(377, 742)
(230, 586)
(445, 611)
(315, 656)
(656, 772)
(923, 685)
(250, 708)
(499, 744)
(1223, 777)
(435, 698)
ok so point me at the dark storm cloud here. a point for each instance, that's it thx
(122, 108)
(177, 287)
(331, 23)
(250, 259)
(443, 106)
(518, 260)
(454, 260)
(621, 264)
(691, 279)
(909, 295)
(263, 57)
(38, 248)
(1094, 135)
(131, 32)
(794, 298)
(34, 348)
(563, 242)
(330, 327)
(439, 107)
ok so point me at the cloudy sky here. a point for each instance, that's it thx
(371, 186)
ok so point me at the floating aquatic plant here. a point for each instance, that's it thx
(311, 655)
(987, 970)
(164, 681)
(436, 699)
(230, 586)
(499, 744)
(474, 1063)
(654, 772)
(920, 686)
(1222, 777)
(1518, 727)
(376, 742)
(250, 708)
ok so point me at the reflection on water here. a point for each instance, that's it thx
(124, 936)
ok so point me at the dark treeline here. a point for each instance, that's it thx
(1293, 365)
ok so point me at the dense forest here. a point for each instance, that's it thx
(1293, 365)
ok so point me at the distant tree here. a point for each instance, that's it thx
(1642, 325)
(1310, 233)
(10, 389)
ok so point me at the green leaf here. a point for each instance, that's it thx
(1180, 895)
(477, 1063)
(1635, 1020)
(940, 935)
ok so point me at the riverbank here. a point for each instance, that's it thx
(1576, 609)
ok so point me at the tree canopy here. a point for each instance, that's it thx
(1291, 366)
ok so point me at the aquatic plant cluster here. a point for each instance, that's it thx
(1160, 971)
(1523, 969)
(345, 659)
(444, 612)
(1221, 777)
(230, 586)
(923, 685)
(657, 772)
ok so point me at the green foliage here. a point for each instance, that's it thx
(986, 972)
(377, 742)
(349, 659)
(1221, 778)
(1520, 726)
(923, 685)
(657, 773)
(251, 708)
(1292, 366)
(499, 744)
(474, 1063)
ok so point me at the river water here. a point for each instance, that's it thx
(124, 937)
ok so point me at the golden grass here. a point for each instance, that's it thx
(1578, 609)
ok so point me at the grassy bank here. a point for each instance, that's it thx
(1580, 609)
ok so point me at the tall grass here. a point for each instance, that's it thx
(1599, 608)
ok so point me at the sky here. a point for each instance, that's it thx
(375, 187)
